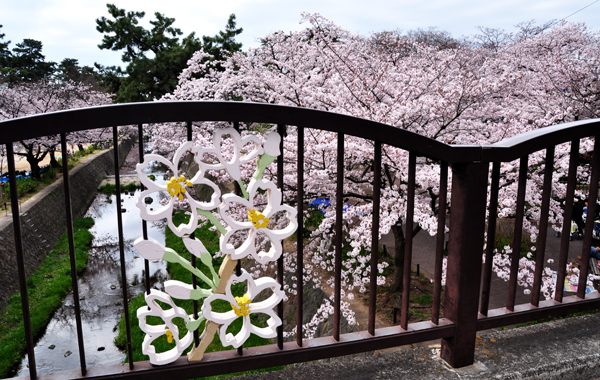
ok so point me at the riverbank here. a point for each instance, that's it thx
(43, 217)
(46, 290)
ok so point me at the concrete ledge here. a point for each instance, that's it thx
(567, 349)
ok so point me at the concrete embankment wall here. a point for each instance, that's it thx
(43, 217)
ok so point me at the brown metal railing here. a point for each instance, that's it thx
(464, 315)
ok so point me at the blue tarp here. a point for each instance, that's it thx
(323, 204)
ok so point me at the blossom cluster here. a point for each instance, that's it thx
(467, 93)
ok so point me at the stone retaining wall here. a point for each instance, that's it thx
(43, 217)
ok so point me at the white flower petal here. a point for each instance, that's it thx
(155, 331)
(149, 249)
(195, 246)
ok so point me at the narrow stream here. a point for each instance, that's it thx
(100, 291)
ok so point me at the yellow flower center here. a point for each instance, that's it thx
(176, 187)
(169, 335)
(243, 308)
(258, 219)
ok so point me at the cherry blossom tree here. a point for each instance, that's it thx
(46, 96)
(461, 94)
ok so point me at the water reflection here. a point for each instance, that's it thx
(100, 290)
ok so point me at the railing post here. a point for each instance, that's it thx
(465, 249)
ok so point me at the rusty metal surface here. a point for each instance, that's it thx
(374, 237)
(517, 234)
(469, 164)
(568, 213)
(527, 312)
(469, 192)
(281, 129)
(491, 240)
(543, 227)
(589, 225)
(69, 220)
(144, 223)
(439, 247)
(122, 246)
(300, 239)
(339, 209)
(14, 199)
(183, 111)
(223, 362)
(410, 212)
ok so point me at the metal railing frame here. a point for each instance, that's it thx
(464, 315)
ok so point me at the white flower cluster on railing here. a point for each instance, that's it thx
(219, 284)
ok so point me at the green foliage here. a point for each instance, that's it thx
(503, 240)
(424, 299)
(24, 186)
(155, 57)
(46, 290)
(69, 70)
(210, 240)
(111, 188)
(26, 63)
(312, 220)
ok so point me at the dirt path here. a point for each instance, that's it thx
(360, 309)
(22, 164)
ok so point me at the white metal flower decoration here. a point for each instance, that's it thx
(217, 285)
(256, 221)
(177, 189)
(245, 306)
(168, 328)
(233, 164)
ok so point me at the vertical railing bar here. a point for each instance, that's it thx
(238, 191)
(121, 246)
(193, 257)
(517, 234)
(375, 236)
(238, 272)
(543, 227)
(281, 131)
(236, 186)
(300, 239)
(69, 219)
(410, 211)
(591, 216)
(144, 224)
(491, 239)
(568, 214)
(439, 249)
(14, 199)
(339, 207)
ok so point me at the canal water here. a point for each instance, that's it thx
(100, 290)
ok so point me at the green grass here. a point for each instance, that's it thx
(210, 240)
(46, 290)
(111, 188)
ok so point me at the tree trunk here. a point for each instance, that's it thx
(399, 244)
(53, 162)
(34, 164)
(81, 148)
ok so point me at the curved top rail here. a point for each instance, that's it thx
(181, 111)
(518, 146)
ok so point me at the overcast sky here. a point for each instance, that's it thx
(67, 28)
